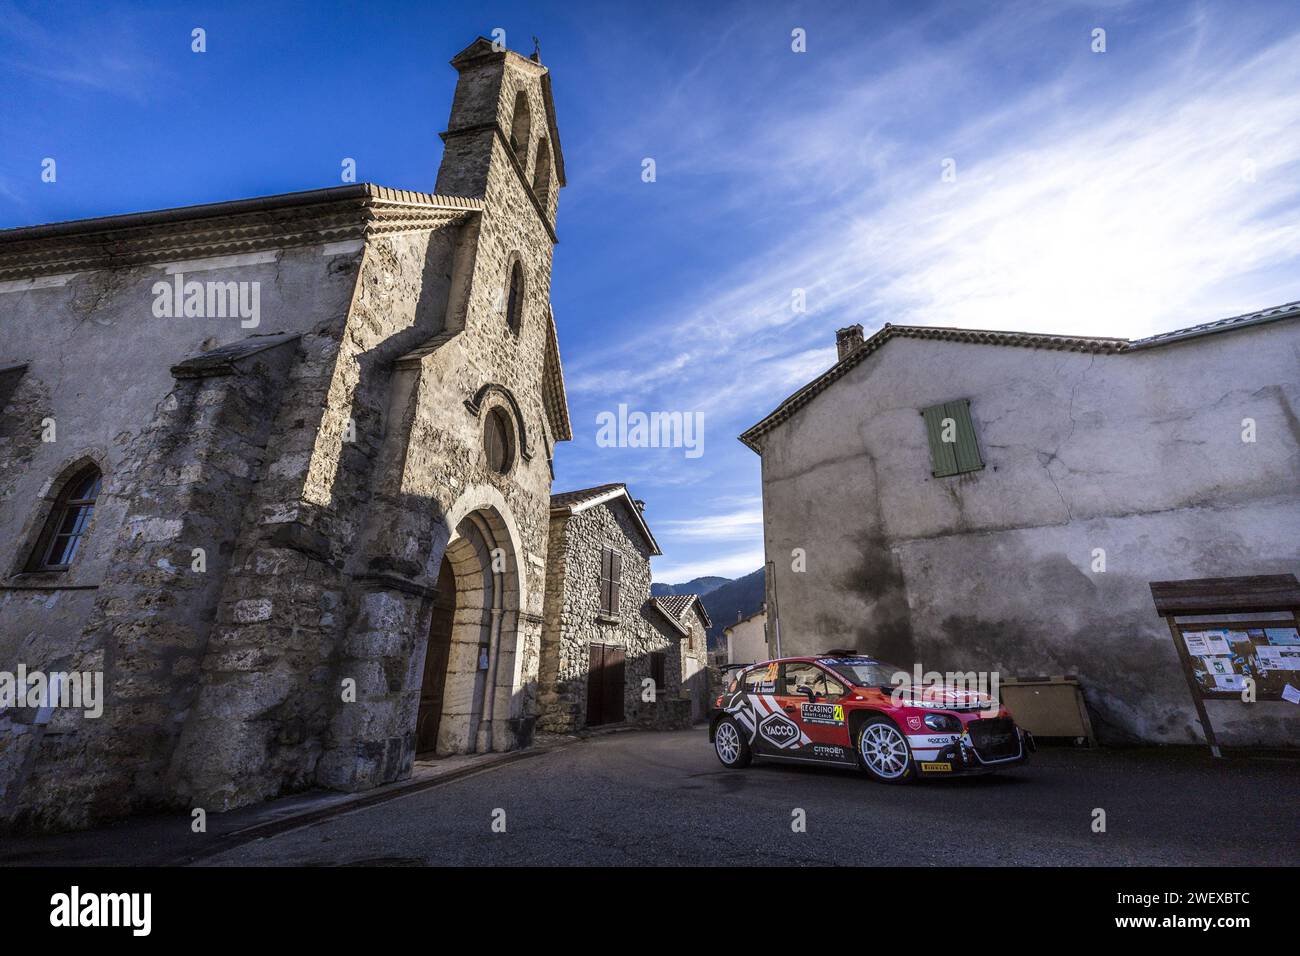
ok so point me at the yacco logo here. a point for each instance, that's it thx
(780, 730)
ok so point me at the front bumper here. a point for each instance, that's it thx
(963, 757)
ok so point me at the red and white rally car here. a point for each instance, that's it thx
(846, 711)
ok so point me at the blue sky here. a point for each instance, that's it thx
(1149, 187)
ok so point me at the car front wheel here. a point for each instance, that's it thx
(730, 745)
(883, 751)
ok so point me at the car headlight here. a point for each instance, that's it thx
(943, 722)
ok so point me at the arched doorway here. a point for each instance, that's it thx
(435, 661)
(471, 659)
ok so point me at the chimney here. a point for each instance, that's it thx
(848, 339)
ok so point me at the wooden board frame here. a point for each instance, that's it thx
(1222, 597)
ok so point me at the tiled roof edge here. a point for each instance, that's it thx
(364, 192)
(1033, 340)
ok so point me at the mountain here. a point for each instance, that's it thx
(700, 586)
(722, 598)
(742, 596)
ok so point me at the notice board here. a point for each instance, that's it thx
(1224, 657)
(1237, 638)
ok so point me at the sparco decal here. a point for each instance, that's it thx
(823, 713)
(780, 731)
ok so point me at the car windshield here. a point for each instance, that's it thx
(864, 671)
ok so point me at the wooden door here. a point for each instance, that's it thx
(614, 657)
(435, 661)
(604, 684)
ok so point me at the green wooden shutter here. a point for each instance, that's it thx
(955, 457)
(967, 449)
(943, 457)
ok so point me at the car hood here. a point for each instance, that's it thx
(941, 697)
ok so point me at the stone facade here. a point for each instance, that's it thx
(583, 525)
(1127, 452)
(279, 500)
(687, 612)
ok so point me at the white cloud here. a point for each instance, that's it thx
(732, 565)
(1146, 189)
(731, 524)
(1166, 201)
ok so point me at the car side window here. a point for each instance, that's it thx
(760, 680)
(797, 675)
(801, 675)
(833, 688)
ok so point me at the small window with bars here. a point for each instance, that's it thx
(611, 577)
(68, 522)
(953, 448)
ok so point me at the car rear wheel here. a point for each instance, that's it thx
(883, 751)
(730, 745)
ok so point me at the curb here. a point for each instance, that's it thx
(271, 828)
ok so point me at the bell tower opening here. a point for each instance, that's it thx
(520, 127)
(502, 124)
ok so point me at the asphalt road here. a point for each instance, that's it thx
(662, 799)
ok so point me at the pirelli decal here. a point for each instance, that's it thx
(823, 714)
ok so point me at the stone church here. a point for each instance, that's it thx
(280, 470)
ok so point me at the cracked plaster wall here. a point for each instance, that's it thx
(1139, 454)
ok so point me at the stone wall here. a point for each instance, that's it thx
(326, 478)
(574, 620)
(436, 473)
(179, 451)
(695, 660)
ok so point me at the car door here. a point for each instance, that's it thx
(758, 687)
(814, 700)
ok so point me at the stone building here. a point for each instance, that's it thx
(1001, 501)
(280, 469)
(747, 639)
(687, 610)
(604, 637)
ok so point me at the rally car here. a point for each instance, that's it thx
(846, 711)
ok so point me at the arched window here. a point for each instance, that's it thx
(68, 521)
(515, 298)
(519, 128)
(542, 172)
(498, 441)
